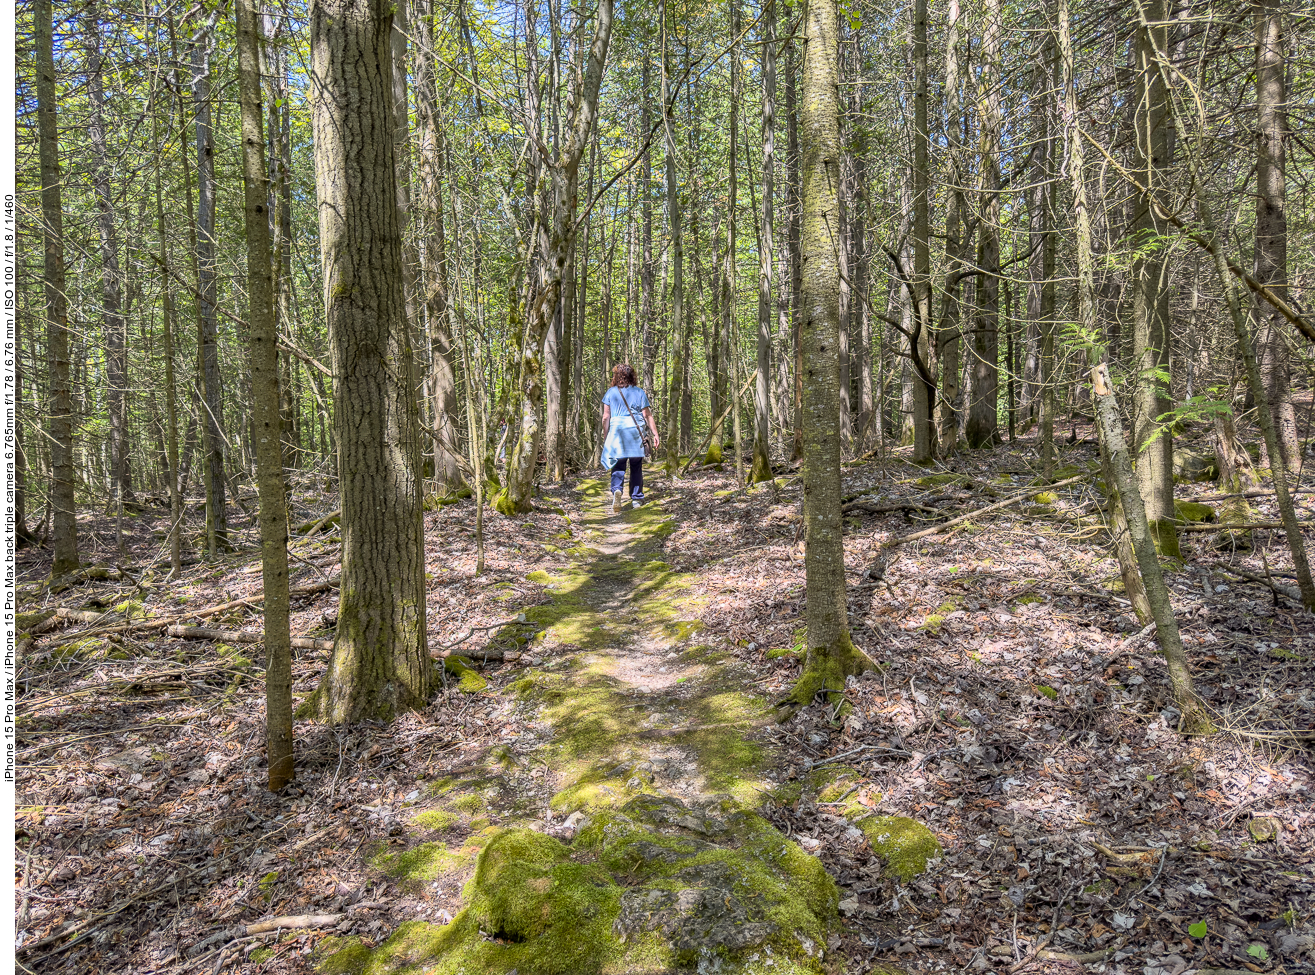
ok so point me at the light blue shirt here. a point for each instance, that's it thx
(624, 436)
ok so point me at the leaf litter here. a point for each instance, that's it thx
(1020, 712)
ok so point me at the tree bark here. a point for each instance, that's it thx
(924, 438)
(380, 662)
(1194, 718)
(761, 468)
(442, 375)
(1152, 443)
(983, 426)
(679, 326)
(207, 322)
(1271, 260)
(646, 189)
(114, 329)
(267, 406)
(831, 655)
(948, 334)
(60, 411)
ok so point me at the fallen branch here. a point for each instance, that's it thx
(313, 525)
(287, 923)
(242, 636)
(1220, 526)
(161, 622)
(1285, 591)
(1011, 500)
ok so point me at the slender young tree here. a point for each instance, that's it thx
(761, 469)
(267, 403)
(63, 501)
(948, 332)
(831, 655)
(207, 319)
(380, 662)
(679, 325)
(115, 325)
(924, 440)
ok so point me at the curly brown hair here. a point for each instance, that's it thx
(623, 374)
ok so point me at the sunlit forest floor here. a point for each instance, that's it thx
(1020, 712)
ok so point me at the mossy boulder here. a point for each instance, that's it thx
(1193, 511)
(1045, 497)
(656, 887)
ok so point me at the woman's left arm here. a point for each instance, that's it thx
(607, 416)
(648, 415)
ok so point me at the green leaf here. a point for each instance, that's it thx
(1197, 930)
(1258, 951)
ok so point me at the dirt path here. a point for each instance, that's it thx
(627, 838)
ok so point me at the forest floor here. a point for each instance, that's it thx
(1019, 712)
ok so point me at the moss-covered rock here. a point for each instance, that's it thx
(642, 890)
(1193, 511)
(1045, 497)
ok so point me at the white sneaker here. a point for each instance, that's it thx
(616, 502)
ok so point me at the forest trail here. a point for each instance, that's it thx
(651, 854)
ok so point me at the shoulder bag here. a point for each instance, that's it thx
(643, 430)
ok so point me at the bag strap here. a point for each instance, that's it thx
(643, 431)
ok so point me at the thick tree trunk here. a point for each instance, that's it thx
(267, 405)
(831, 655)
(207, 323)
(380, 662)
(761, 468)
(1152, 443)
(60, 411)
(1271, 260)
(983, 427)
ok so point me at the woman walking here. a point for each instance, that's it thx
(624, 404)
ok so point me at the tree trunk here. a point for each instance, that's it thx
(115, 329)
(831, 655)
(170, 385)
(983, 426)
(1194, 718)
(679, 326)
(1271, 260)
(556, 240)
(267, 405)
(646, 189)
(1152, 443)
(207, 323)
(792, 203)
(948, 334)
(442, 376)
(924, 439)
(60, 411)
(761, 469)
(380, 661)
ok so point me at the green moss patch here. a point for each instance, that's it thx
(1193, 512)
(469, 680)
(439, 820)
(643, 890)
(939, 480)
(904, 845)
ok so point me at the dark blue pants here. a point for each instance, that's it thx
(636, 476)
